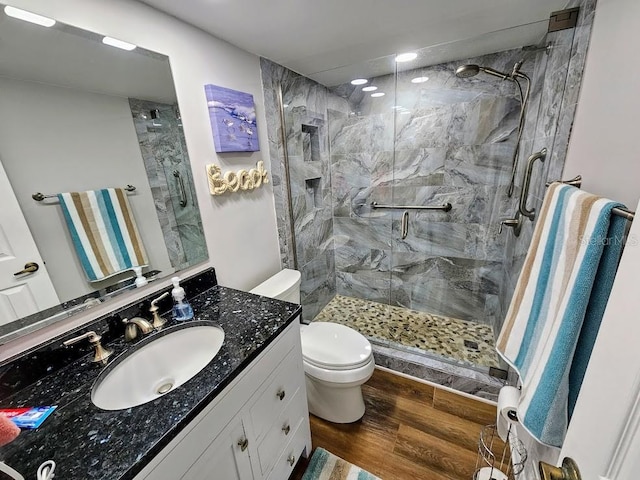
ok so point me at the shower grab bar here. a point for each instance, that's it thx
(38, 197)
(445, 207)
(183, 192)
(405, 225)
(577, 182)
(526, 183)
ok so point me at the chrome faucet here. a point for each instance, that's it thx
(101, 353)
(515, 223)
(134, 326)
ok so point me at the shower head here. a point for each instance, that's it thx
(466, 71)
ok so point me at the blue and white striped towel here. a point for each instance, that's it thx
(103, 231)
(558, 303)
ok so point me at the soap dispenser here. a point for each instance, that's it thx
(141, 281)
(181, 308)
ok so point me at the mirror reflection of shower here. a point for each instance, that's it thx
(467, 71)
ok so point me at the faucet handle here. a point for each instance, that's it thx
(158, 321)
(101, 354)
(91, 335)
(515, 223)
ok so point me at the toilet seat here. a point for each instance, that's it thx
(335, 347)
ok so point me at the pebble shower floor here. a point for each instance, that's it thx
(414, 331)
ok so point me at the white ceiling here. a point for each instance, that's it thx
(314, 37)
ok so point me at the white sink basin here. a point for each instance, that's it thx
(157, 366)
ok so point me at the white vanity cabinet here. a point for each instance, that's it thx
(257, 428)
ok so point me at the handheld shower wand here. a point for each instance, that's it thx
(466, 71)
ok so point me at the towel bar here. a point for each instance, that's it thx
(38, 197)
(577, 182)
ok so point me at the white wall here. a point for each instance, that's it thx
(40, 154)
(605, 150)
(241, 228)
(604, 145)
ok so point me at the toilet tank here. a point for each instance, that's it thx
(284, 285)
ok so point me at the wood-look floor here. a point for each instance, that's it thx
(409, 431)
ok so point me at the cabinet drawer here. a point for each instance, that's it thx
(277, 391)
(281, 431)
(286, 462)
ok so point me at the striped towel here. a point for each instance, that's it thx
(103, 231)
(558, 303)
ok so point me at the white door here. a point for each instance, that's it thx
(604, 433)
(20, 295)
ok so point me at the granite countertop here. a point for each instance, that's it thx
(89, 443)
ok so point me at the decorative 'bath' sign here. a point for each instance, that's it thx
(234, 181)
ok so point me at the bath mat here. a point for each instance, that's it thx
(326, 466)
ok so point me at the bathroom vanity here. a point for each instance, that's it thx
(244, 416)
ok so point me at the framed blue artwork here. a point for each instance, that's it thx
(233, 119)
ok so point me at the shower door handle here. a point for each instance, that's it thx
(183, 192)
(404, 230)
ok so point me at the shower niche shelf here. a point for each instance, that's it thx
(310, 143)
(314, 193)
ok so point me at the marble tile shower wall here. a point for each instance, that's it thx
(163, 149)
(307, 142)
(556, 86)
(444, 140)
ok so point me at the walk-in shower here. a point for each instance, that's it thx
(428, 287)
(470, 70)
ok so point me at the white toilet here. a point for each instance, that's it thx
(337, 359)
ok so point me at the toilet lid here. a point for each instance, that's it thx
(334, 346)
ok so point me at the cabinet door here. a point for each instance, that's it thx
(227, 458)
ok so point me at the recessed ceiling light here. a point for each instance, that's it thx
(359, 81)
(377, 94)
(406, 57)
(419, 79)
(369, 89)
(114, 42)
(29, 17)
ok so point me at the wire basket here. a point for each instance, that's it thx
(497, 459)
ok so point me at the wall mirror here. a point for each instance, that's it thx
(81, 115)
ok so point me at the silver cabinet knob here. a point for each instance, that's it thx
(286, 429)
(291, 460)
(280, 394)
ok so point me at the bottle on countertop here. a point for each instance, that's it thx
(181, 308)
(141, 281)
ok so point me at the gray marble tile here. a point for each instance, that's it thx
(488, 164)
(423, 128)
(362, 134)
(484, 121)
(371, 285)
(415, 167)
(364, 232)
